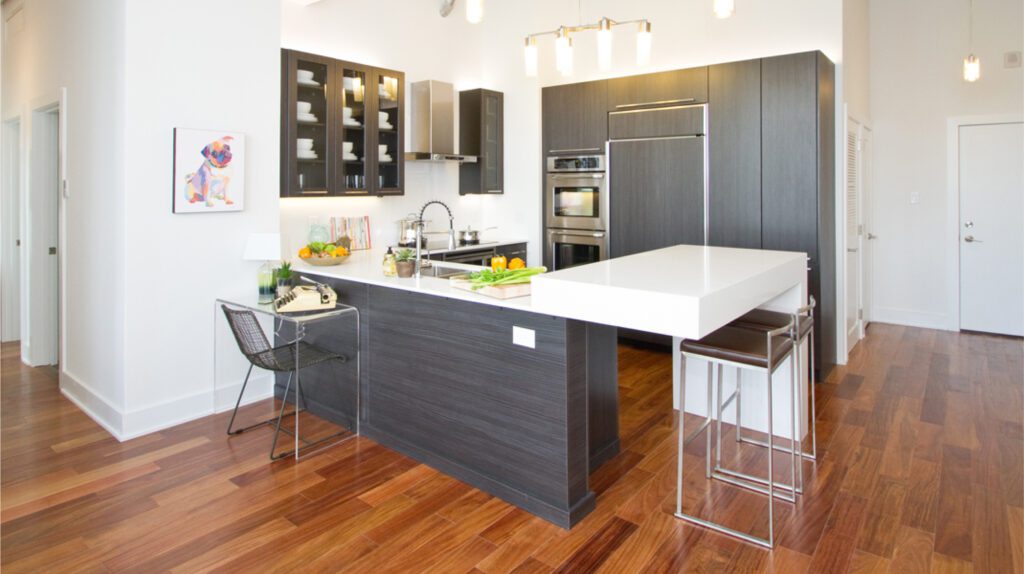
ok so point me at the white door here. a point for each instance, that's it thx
(992, 228)
(854, 231)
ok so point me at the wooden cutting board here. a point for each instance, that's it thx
(496, 291)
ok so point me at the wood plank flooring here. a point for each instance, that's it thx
(921, 469)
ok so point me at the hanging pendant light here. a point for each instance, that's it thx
(604, 45)
(643, 44)
(972, 65)
(563, 52)
(724, 8)
(530, 56)
(474, 11)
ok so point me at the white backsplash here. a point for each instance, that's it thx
(424, 181)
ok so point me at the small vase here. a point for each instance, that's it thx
(284, 287)
(265, 278)
(405, 268)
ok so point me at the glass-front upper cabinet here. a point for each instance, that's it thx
(390, 167)
(306, 136)
(355, 170)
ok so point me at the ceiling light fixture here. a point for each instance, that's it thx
(564, 44)
(724, 8)
(474, 10)
(972, 65)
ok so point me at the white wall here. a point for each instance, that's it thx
(78, 45)
(856, 60)
(917, 47)
(220, 71)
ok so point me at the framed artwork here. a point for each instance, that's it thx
(209, 171)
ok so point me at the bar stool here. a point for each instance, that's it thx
(745, 349)
(763, 320)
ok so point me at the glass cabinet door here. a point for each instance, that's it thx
(355, 109)
(312, 138)
(389, 132)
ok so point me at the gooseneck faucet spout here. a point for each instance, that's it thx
(419, 232)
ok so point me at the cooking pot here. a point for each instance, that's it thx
(470, 236)
(407, 232)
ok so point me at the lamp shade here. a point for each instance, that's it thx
(263, 247)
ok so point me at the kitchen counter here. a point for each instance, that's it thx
(440, 247)
(519, 397)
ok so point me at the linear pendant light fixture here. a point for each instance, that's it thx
(972, 65)
(724, 8)
(564, 45)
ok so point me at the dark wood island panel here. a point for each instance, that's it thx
(442, 382)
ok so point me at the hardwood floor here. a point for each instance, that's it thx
(921, 469)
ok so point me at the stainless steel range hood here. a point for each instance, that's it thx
(433, 123)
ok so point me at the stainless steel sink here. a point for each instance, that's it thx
(442, 271)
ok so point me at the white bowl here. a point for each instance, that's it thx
(304, 75)
(383, 117)
(347, 146)
(304, 145)
(304, 107)
(382, 149)
(346, 112)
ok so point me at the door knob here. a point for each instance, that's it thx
(971, 239)
(872, 236)
(969, 224)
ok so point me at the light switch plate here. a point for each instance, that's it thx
(915, 197)
(1011, 59)
(524, 337)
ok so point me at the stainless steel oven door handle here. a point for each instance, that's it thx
(576, 176)
(596, 234)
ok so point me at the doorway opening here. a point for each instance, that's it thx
(43, 228)
(10, 237)
(989, 195)
(858, 255)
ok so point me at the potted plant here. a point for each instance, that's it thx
(284, 276)
(405, 262)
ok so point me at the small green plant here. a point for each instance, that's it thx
(405, 255)
(284, 271)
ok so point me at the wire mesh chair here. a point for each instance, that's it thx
(253, 343)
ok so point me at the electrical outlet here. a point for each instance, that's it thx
(1012, 59)
(915, 197)
(524, 337)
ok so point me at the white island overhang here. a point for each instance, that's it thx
(684, 291)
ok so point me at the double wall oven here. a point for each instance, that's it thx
(576, 210)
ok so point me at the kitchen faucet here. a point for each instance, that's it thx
(419, 232)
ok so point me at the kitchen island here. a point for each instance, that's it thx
(519, 397)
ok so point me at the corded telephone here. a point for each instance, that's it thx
(303, 298)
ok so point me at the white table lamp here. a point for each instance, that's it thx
(265, 247)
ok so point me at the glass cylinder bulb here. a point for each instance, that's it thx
(724, 8)
(604, 49)
(474, 11)
(530, 57)
(972, 68)
(643, 45)
(563, 55)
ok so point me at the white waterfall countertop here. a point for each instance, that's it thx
(685, 291)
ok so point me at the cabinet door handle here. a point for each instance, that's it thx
(657, 103)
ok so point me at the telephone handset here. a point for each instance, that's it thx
(303, 298)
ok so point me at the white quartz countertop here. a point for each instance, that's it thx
(684, 291)
(441, 246)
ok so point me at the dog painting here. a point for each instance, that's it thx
(209, 170)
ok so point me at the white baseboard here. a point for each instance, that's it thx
(152, 418)
(92, 404)
(911, 318)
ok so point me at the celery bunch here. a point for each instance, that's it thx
(487, 277)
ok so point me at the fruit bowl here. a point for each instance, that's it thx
(325, 261)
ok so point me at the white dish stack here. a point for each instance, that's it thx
(382, 152)
(304, 148)
(346, 113)
(384, 121)
(305, 112)
(347, 154)
(305, 78)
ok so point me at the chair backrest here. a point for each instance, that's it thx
(250, 337)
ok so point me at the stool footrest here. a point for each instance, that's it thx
(757, 479)
(752, 486)
(724, 530)
(778, 447)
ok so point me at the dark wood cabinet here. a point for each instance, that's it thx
(689, 86)
(798, 177)
(346, 111)
(481, 133)
(575, 118)
(656, 194)
(734, 154)
(512, 251)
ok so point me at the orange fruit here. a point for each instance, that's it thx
(305, 253)
(516, 263)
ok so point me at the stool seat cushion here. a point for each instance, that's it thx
(739, 345)
(765, 320)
